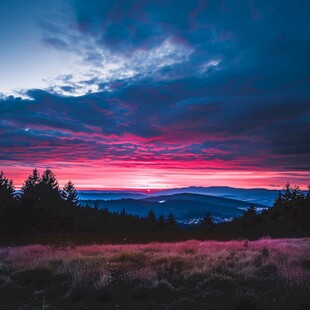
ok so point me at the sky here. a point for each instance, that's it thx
(156, 94)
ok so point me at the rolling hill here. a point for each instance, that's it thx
(255, 195)
(187, 208)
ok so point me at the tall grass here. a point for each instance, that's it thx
(263, 274)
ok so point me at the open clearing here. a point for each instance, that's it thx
(263, 274)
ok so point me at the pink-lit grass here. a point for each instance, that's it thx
(206, 267)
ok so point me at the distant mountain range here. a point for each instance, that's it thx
(255, 195)
(188, 205)
(109, 195)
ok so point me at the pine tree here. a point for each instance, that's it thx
(251, 211)
(6, 184)
(49, 179)
(207, 223)
(48, 193)
(250, 216)
(292, 196)
(6, 189)
(297, 195)
(123, 212)
(287, 195)
(69, 193)
(161, 221)
(10, 217)
(171, 221)
(32, 181)
(151, 218)
(279, 199)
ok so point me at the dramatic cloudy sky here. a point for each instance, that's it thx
(156, 93)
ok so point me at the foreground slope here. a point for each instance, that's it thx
(263, 274)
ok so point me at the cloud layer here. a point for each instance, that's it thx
(180, 88)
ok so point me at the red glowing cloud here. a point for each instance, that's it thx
(103, 142)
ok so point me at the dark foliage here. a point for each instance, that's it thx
(42, 207)
(69, 194)
(151, 219)
(207, 223)
(6, 190)
(161, 221)
(250, 217)
(289, 216)
(171, 221)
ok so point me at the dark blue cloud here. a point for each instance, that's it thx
(136, 123)
(241, 48)
(187, 80)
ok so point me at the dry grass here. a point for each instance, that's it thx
(264, 274)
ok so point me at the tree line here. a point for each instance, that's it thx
(43, 207)
(289, 216)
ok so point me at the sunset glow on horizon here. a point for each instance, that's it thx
(155, 94)
(148, 179)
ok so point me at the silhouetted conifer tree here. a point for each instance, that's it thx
(251, 211)
(123, 212)
(32, 181)
(49, 179)
(161, 221)
(6, 189)
(289, 198)
(250, 216)
(11, 217)
(207, 223)
(69, 193)
(288, 194)
(171, 221)
(279, 199)
(49, 189)
(297, 195)
(151, 218)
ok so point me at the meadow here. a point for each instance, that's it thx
(263, 274)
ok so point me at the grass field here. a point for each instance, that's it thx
(263, 274)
